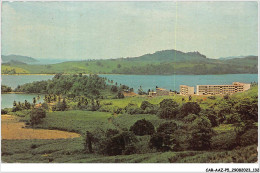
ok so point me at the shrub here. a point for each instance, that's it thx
(189, 108)
(120, 144)
(226, 141)
(168, 109)
(37, 115)
(142, 127)
(212, 97)
(120, 95)
(201, 134)
(248, 138)
(133, 109)
(45, 106)
(145, 104)
(168, 127)
(3, 111)
(164, 139)
(190, 118)
(114, 88)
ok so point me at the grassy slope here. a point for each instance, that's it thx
(76, 121)
(5, 68)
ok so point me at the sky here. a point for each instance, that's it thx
(102, 30)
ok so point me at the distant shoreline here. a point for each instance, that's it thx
(44, 74)
(13, 93)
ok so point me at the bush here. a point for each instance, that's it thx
(37, 115)
(212, 97)
(3, 111)
(226, 141)
(120, 144)
(168, 109)
(145, 104)
(248, 138)
(149, 108)
(189, 108)
(190, 118)
(133, 109)
(45, 106)
(60, 106)
(168, 128)
(142, 127)
(201, 134)
(120, 95)
(164, 139)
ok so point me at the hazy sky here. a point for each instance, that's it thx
(101, 30)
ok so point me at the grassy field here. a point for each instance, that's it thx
(70, 151)
(76, 121)
(12, 69)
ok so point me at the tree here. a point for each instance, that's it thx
(88, 142)
(164, 139)
(37, 115)
(118, 65)
(114, 88)
(168, 109)
(142, 127)
(120, 95)
(201, 134)
(247, 108)
(14, 104)
(34, 101)
(189, 108)
(145, 104)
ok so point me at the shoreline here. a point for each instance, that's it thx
(45, 74)
(13, 93)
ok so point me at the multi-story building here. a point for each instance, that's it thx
(186, 90)
(222, 89)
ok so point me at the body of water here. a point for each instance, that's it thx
(172, 82)
(14, 80)
(7, 100)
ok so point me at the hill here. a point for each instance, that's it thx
(164, 62)
(17, 58)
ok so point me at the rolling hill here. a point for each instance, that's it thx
(164, 62)
(17, 58)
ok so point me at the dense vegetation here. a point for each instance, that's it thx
(5, 89)
(162, 62)
(90, 86)
(134, 129)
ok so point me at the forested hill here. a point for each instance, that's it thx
(172, 56)
(164, 62)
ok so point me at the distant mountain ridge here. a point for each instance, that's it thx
(17, 58)
(165, 62)
(172, 56)
(233, 57)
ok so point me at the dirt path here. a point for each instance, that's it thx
(11, 128)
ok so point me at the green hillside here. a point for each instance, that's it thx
(159, 63)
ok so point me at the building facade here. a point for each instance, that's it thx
(222, 89)
(186, 90)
